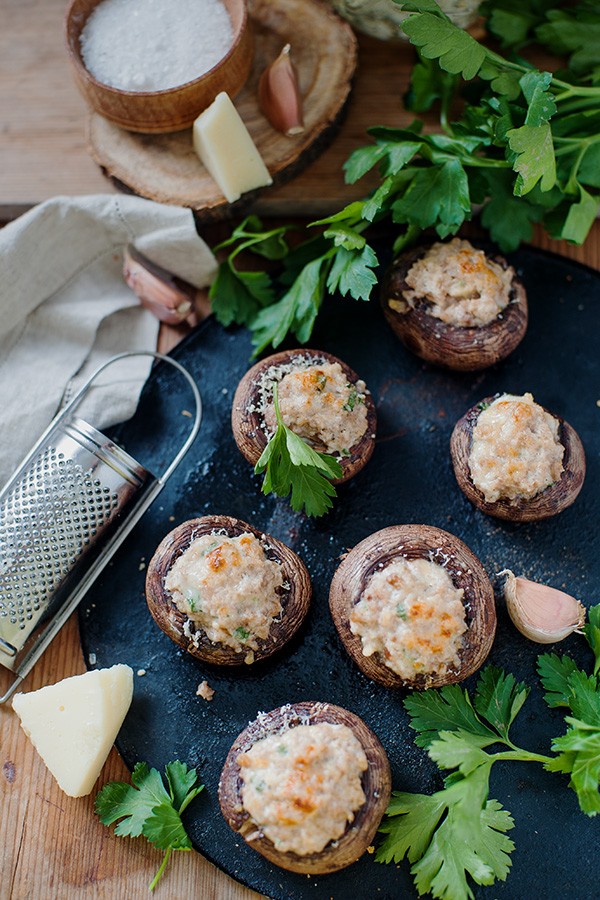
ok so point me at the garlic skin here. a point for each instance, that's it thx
(169, 298)
(541, 613)
(279, 95)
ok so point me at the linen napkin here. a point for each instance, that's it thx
(65, 308)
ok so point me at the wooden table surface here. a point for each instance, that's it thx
(53, 846)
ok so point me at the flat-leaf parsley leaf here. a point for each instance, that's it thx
(290, 464)
(579, 747)
(146, 807)
(458, 832)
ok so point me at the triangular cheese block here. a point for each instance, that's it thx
(74, 723)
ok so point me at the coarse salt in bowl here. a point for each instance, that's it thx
(143, 94)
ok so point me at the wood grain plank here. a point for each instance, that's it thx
(43, 148)
(53, 845)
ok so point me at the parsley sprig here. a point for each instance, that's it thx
(146, 807)
(525, 150)
(338, 259)
(579, 748)
(458, 832)
(290, 464)
(544, 128)
(238, 296)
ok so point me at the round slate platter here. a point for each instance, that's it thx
(409, 479)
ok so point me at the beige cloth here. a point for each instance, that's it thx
(65, 308)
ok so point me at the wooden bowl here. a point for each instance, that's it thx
(376, 784)
(158, 112)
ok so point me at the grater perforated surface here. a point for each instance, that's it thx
(45, 524)
(63, 514)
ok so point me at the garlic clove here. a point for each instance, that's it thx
(169, 298)
(542, 613)
(279, 95)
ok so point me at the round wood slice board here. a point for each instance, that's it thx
(165, 168)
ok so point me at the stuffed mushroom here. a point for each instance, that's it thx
(454, 305)
(321, 400)
(413, 607)
(515, 460)
(306, 785)
(226, 592)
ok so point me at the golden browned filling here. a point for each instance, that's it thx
(318, 403)
(228, 588)
(411, 613)
(464, 288)
(303, 786)
(515, 450)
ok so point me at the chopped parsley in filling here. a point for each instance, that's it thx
(228, 588)
(303, 786)
(413, 616)
(320, 405)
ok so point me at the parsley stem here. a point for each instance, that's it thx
(520, 756)
(572, 184)
(251, 240)
(483, 163)
(569, 107)
(161, 870)
(574, 90)
(505, 63)
(276, 405)
(579, 142)
(569, 90)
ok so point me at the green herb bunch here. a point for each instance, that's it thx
(458, 832)
(525, 149)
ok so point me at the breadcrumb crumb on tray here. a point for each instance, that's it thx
(205, 691)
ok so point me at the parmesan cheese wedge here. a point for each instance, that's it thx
(73, 723)
(225, 147)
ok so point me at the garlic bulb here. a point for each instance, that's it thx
(169, 298)
(279, 95)
(543, 614)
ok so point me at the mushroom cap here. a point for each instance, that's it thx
(464, 349)
(247, 422)
(376, 784)
(544, 505)
(295, 600)
(414, 542)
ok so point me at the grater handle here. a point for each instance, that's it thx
(76, 400)
(14, 685)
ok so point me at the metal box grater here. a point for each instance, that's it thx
(63, 514)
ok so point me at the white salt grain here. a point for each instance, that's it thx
(152, 45)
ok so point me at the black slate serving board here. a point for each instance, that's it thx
(409, 479)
